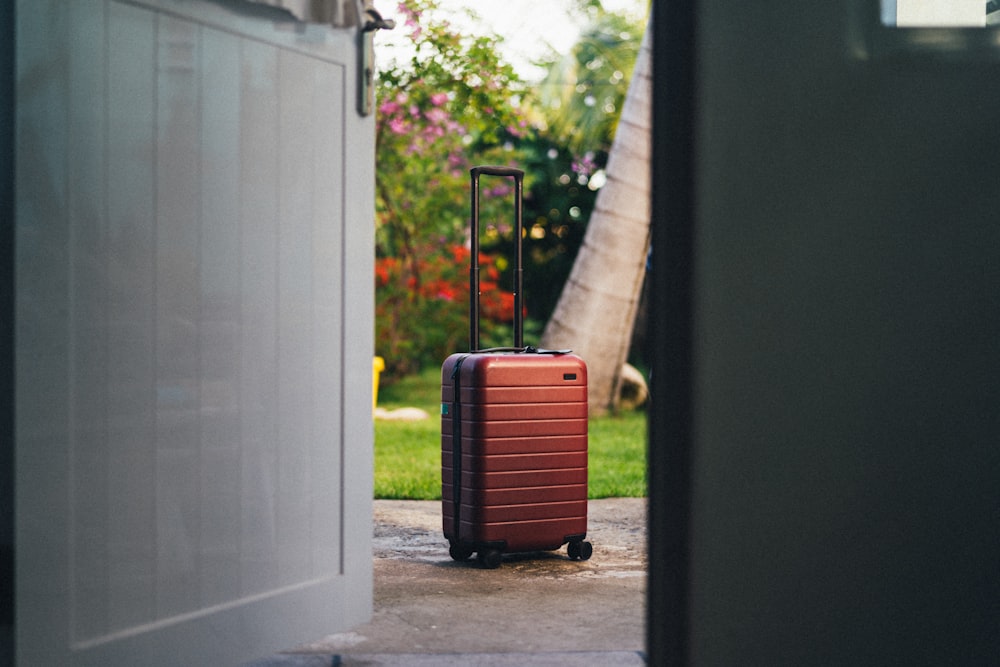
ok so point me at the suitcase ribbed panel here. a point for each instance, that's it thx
(487, 514)
(516, 428)
(521, 462)
(526, 535)
(560, 393)
(518, 495)
(520, 478)
(524, 449)
(523, 428)
(478, 412)
(492, 371)
(528, 445)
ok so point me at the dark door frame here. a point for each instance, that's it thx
(670, 326)
(7, 79)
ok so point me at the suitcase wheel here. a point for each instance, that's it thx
(459, 551)
(490, 558)
(580, 550)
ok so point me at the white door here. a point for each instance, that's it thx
(194, 233)
(826, 267)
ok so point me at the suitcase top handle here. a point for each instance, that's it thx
(518, 176)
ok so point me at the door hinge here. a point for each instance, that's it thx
(369, 21)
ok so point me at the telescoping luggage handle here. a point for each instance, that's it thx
(518, 176)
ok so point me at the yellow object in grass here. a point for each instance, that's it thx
(378, 365)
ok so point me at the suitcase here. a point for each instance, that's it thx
(513, 433)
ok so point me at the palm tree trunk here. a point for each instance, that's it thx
(596, 310)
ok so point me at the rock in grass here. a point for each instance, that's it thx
(401, 414)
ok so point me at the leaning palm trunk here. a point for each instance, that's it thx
(596, 311)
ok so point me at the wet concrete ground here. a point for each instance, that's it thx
(535, 609)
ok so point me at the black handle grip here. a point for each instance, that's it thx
(494, 170)
(518, 176)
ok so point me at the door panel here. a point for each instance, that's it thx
(839, 361)
(185, 268)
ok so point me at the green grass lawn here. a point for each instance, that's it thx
(408, 454)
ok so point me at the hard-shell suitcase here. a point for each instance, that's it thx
(513, 433)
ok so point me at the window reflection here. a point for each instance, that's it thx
(940, 13)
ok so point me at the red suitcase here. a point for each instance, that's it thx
(513, 434)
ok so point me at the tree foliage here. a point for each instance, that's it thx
(581, 96)
(453, 103)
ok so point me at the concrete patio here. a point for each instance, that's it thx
(536, 609)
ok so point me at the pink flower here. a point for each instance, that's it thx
(584, 165)
(412, 18)
(437, 116)
(398, 126)
(437, 99)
